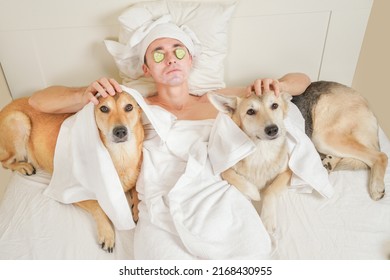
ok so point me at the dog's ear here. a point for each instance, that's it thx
(286, 97)
(223, 103)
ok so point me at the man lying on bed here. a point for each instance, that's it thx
(186, 211)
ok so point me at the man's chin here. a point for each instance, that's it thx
(176, 81)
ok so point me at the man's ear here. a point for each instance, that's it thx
(223, 103)
(145, 68)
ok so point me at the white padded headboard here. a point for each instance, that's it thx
(47, 42)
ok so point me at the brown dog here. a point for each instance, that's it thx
(28, 139)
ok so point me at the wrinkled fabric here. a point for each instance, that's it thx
(200, 215)
(305, 162)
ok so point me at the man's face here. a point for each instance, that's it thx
(168, 62)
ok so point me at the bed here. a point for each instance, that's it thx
(252, 38)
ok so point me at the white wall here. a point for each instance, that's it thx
(5, 98)
(373, 73)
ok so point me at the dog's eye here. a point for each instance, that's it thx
(274, 106)
(128, 108)
(104, 109)
(251, 112)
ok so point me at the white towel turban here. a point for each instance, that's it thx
(129, 57)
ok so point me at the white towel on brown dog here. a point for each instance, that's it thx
(83, 169)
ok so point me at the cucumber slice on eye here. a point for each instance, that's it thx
(158, 57)
(180, 53)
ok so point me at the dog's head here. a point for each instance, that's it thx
(260, 117)
(118, 118)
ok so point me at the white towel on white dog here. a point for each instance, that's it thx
(83, 168)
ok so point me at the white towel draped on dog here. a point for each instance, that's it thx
(305, 162)
(308, 171)
(83, 168)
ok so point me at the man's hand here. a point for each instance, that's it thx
(263, 85)
(104, 87)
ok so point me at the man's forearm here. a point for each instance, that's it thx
(59, 99)
(294, 83)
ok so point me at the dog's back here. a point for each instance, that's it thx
(27, 134)
(307, 101)
(343, 129)
(330, 105)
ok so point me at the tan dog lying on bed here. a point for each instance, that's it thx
(28, 139)
(265, 170)
(344, 130)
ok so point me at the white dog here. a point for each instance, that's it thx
(265, 170)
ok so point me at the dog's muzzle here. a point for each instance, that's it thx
(120, 134)
(271, 131)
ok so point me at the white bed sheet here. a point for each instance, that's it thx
(347, 226)
(34, 226)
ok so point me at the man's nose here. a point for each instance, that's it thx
(171, 58)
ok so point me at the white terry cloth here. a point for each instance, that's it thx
(304, 162)
(186, 211)
(83, 168)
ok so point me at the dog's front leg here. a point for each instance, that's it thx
(106, 233)
(241, 183)
(270, 195)
(134, 203)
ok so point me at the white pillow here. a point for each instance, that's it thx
(208, 20)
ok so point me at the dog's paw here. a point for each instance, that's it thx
(106, 236)
(269, 221)
(275, 237)
(270, 225)
(377, 190)
(250, 191)
(329, 162)
(134, 211)
(25, 168)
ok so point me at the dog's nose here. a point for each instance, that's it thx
(120, 132)
(271, 130)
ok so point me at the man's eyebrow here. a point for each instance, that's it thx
(158, 49)
(174, 45)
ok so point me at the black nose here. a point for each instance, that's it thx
(120, 132)
(271, 130)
